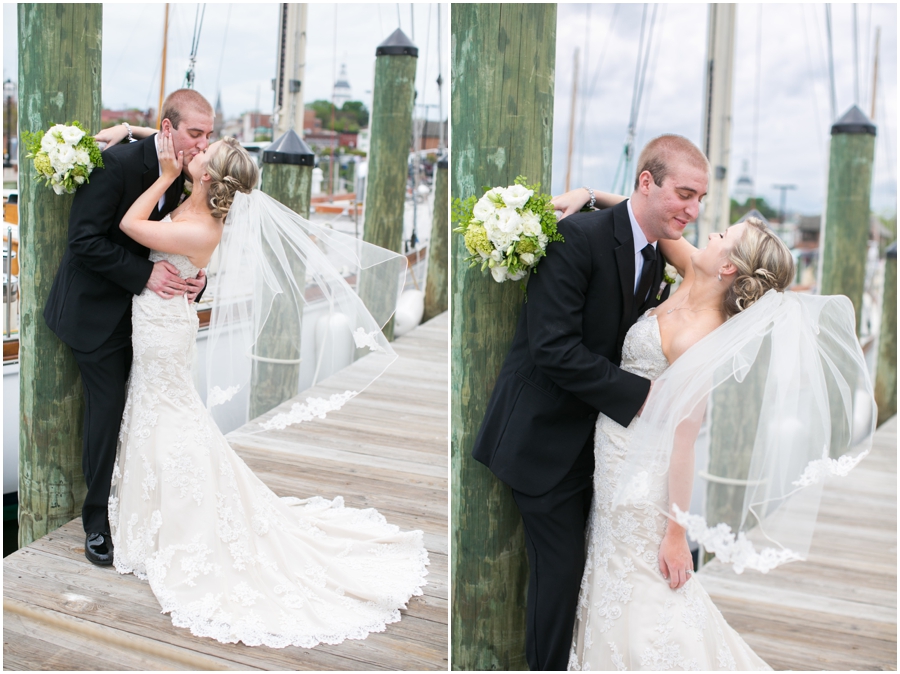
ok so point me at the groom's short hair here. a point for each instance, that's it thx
(658, 155)
(182, 100)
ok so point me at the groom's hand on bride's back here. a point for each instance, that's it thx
(165, 281)
(196, 285)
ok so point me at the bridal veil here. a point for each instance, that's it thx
(282, 281)
(789, 377)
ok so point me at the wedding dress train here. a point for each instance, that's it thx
(627, 616)
(224, 555)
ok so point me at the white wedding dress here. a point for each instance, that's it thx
(628, 617)
(224, 555)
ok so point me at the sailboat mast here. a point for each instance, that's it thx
(875, 71)
(162, 78)
(717, 117)
(572, 122)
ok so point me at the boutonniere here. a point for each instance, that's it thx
(669, 275)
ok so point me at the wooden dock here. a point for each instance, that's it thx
(838, 610)
(386, 449)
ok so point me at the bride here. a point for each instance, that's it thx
(639, 606)
(223, 554)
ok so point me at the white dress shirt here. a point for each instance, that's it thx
(640, 241)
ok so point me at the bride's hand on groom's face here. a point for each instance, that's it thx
(675, 562)
(169, 162)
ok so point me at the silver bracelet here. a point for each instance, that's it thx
(131, 139)
(593, 199)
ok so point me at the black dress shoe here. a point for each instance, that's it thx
(98, 548)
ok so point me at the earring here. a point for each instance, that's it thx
(720, 277)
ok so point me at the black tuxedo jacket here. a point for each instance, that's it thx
(562, 368)
(102, 268)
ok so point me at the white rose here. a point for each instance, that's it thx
(515, 196)
(58, 188)
(82, 156)
(496, 256)
(509, 221)
(531, 223)
(79, 180)
(499, 274)
(502, 240)
(72, 134)
(483, 209)
(527, 258)
(543, 241)
(48, 142)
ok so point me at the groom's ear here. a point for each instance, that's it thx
(166, 126)
(644, 181)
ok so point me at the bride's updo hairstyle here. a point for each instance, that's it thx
(763, 263)
(232, 170)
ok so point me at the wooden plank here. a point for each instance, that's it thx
(67, 606)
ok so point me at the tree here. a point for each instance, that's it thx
(739, 210)
(352, 116)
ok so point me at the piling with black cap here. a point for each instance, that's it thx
(436, 283)
(391, 138)
(886, 367)
(286, 177)
(845, 232)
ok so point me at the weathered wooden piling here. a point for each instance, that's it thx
(59, 82)
(886, 367)
(391, 136)
(436, 284)
(286, 177)
(503, 67)
(845, 233)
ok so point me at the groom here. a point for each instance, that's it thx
(89, 306)
(562, 370)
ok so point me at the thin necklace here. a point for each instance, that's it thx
(680, 307)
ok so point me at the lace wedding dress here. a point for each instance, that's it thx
(628, 617)
(225, 556)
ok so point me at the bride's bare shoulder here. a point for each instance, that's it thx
(678, 337)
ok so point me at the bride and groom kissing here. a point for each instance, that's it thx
(168, 499)
(590, 391)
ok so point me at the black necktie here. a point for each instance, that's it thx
(647, 276)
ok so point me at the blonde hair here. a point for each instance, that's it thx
(658, 155)
(763, 263)
(231, 170)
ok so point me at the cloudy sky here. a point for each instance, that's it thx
(237, 50)
(793, 102)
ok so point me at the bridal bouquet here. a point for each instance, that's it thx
(507, 230)
(64, 156)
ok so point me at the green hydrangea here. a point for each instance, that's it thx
(527, 245)
(476, 240)
(42, 164)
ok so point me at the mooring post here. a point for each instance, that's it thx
(845, 233)
(59, 82)
(275, 377)
(886, 367)
(391, 136)
(502, 117)
(436, 283)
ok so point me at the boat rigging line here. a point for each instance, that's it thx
(831, 62)
(624, 167)
(195, 43)
(589, 90)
